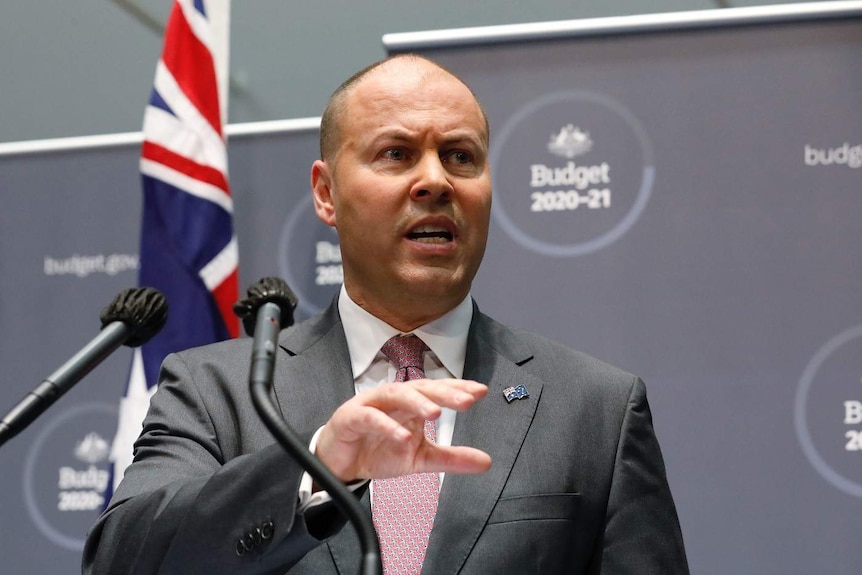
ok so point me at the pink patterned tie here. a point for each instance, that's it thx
(404, 507)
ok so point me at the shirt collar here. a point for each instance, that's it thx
(446, 336)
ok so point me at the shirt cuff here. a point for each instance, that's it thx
(306, 484)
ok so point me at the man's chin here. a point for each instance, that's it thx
(437, 284)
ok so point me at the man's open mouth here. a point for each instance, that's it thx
(431, 234)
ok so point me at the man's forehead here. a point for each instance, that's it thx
(409, 84)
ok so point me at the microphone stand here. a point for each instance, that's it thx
(132, 318)
(260, 381)
(62, 380)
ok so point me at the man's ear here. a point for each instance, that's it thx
(321, 190)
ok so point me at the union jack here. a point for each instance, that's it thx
(188, 246)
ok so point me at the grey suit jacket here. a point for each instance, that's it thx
(577, 483)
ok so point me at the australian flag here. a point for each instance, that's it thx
(188, 247)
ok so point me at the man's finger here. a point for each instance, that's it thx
(453, 459)
(424, 397)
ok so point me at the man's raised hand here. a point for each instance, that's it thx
(379, 433)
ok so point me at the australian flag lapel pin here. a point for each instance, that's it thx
(517, 392)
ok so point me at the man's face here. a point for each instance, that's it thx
(409, 190)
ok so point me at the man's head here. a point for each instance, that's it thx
(333, 114)
(404, 179)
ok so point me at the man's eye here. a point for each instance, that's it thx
(458, 157)
(394, 154)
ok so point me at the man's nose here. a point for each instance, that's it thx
(432, 180)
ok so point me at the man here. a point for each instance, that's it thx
(568, 479)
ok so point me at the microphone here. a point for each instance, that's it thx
(135, 315)
(270, 305)
(269, 289)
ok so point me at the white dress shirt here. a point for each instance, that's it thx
(446, 337)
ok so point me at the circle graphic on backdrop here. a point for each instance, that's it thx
(828, 411)
(309, 258)
(572, 173)
(67, 470)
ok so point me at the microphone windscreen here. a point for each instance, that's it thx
(266, 290)
(143, 309)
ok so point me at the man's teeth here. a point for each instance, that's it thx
(430, 234)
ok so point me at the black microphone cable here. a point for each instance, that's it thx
(269, 302)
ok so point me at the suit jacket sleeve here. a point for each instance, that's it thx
(642, 533)
(199, 489)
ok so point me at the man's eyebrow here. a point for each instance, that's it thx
(389, 135)
(456, 136)
(464, 135)
(393, 134)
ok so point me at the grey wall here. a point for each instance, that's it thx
(86, 67)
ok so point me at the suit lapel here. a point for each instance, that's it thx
(315, 372)
(494, 357)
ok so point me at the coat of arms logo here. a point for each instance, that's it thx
(92, 449)
(571, 141)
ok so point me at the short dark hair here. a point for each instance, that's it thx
(330, 121)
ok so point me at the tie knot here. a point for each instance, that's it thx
(405, 351)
